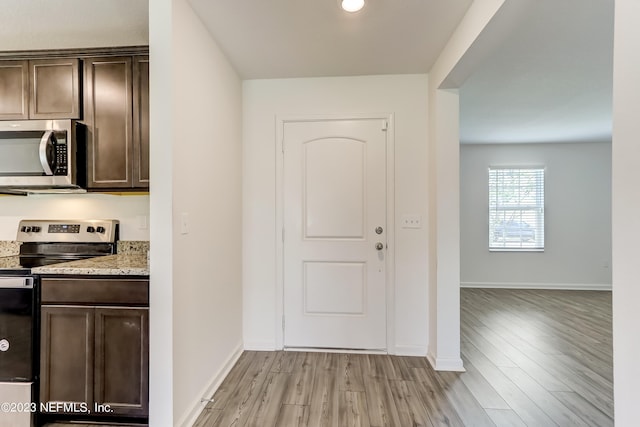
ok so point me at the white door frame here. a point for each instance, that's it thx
(390, 184)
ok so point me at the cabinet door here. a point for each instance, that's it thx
(108, 115)
(141, 121)
(122, 360)
(14, 90)
(66, 355)
(55, 92)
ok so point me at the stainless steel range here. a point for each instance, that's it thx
(44, 242)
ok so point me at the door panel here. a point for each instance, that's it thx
(334, 287)
(14, 90)
(122, 360)
(345, 219)
(334, 198)
(66, 358)
(55, 89)
(108, 113)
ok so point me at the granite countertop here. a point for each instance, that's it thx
(9, 262)
(117, 265)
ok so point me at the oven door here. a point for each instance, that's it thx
(17, 312)
(36, 153)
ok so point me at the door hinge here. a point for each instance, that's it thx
(385, 125)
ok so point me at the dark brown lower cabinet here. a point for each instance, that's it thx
(66, 354)
(122, 360)
(93, 357)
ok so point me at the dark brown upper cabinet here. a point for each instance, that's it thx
(116, 112)
(55, 88)
(40, 89)
(14, 90)
(141, 121)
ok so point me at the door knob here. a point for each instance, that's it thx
(379, 246)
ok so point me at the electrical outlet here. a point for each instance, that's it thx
(411, 221)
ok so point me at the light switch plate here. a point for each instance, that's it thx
(142, 222)
(184, 223)
(411, 221)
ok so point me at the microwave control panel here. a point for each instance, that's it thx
(61, 160)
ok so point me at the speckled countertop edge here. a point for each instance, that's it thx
(111, 265)
(133, 247)
(9, 262)
(9, 248)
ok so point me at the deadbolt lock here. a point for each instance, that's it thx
(379, 230)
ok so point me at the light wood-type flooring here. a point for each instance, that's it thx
(532, 358)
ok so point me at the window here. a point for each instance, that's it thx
(516, 209)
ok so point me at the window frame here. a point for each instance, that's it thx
(532, 211)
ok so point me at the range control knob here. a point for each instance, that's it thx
(36, 228)
(23, 229)
(27, 229)
(91, 229)
(100, 229)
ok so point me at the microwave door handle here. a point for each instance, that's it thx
(44, 160)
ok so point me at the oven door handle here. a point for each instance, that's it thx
(16, 282)
(47, 139)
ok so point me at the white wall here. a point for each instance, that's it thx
(207, 173)
(577, 251)
(132, 211)
(405, 97)
(626, 212)
(196, 123)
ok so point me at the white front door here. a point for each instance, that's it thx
(335, 234)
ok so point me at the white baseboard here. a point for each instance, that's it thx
(441, 364)
(548, 286)
(333, 350)
(260, 346)
(411, 350)
(192, 414)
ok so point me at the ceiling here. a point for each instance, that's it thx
(548, 78)
(545, 77)
(544, 72)
(59, 24)
(314, 38)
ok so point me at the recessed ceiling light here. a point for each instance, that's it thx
(352, 5)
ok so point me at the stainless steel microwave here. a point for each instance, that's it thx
(39, 155)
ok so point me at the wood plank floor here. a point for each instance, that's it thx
(533, 358)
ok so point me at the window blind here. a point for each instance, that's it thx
(516, 209)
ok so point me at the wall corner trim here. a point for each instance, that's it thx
(190, 416)
(261, 346)
(411, 350)
(442, 364)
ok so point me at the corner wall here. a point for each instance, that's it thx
(626, 212)
(207, 174)
(577, 251)
(196, 273)
(443, 183)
